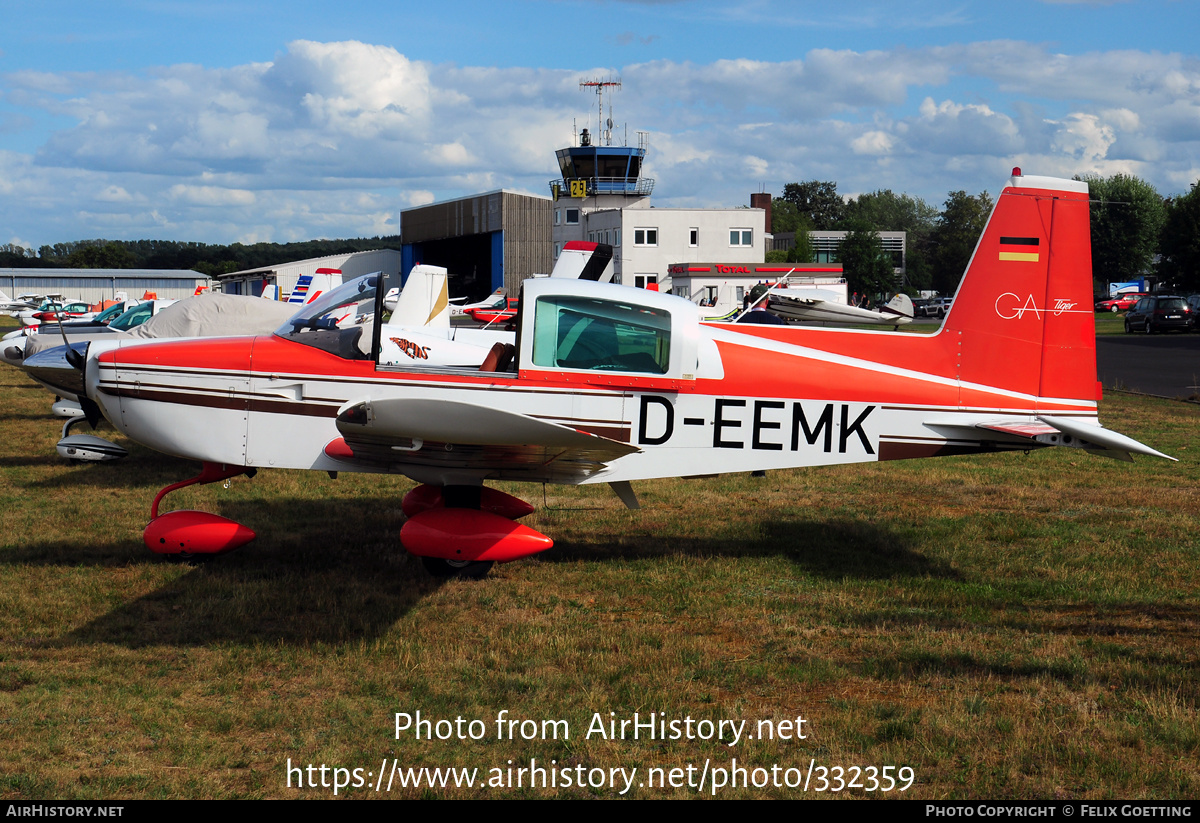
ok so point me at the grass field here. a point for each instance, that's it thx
(1007, 626)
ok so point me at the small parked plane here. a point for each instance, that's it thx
(798, 304)
(611, 384)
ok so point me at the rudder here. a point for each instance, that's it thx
(1023, 312)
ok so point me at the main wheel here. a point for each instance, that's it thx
(1127, 329)
(466, 569)
(1114, 309)
(1149, 327)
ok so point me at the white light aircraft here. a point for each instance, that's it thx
(802, 304)
(618, 385)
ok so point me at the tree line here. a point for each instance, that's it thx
(206, 258)
(1135, 232)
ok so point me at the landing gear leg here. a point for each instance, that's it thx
(186, 533)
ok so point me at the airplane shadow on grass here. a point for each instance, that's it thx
(29, 460)
(332, 571)
(831, 549)
(143, 468)
(329, 571)
(322, 572)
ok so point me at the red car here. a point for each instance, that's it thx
(1122, 302)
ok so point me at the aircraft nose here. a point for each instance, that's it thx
(51, 368)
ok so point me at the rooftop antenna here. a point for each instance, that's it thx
(600, 86)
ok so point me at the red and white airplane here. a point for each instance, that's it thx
(612, 384)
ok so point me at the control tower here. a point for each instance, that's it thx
(595, 172)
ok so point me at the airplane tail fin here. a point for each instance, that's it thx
(1023, 312)
(425, 299)
(585, 261)
(900, 305)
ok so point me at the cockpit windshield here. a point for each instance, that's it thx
(340, 322)
(135, 316)
(111, 313)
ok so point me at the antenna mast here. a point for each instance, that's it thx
(599, 86)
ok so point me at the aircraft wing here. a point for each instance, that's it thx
(818, 304)
(432, 436)
(1048, 430)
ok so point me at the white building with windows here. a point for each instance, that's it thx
(602, 197)
(647, 240)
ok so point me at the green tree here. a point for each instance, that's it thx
(803, 250)
(953, 241)
(887, 211)
(784, 216)
(818, 201)
(868, 268)
(1181, 242)
(1127, 219)
(17, 257)
(918, 273)
(99, 254)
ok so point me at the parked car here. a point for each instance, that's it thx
(937, 307)
(1162, 312)
(1193, 302)
(1122, 302)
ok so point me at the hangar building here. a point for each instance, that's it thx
(285, 275)
(488, 240)
(94, 285)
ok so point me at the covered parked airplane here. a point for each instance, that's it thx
(797, 304)
(612, 384)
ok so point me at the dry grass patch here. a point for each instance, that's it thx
(1013, 625)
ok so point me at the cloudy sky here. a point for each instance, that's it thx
(217, 121)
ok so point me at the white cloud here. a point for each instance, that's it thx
(1084, 137)
(334, 138)
(872, 142)
(416, 198)
(114, 194)
(212, 195)
(756, 167)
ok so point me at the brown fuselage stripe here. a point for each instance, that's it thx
(301, 408)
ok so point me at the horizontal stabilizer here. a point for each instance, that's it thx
(1055, 431)
(1050, 431)
(1102, 440)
